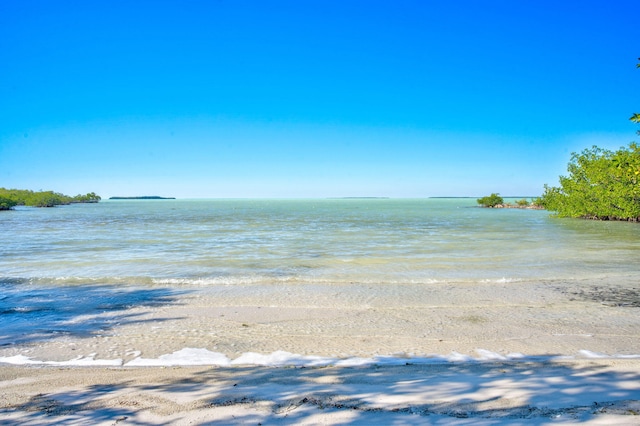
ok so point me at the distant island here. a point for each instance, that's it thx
(144, 197)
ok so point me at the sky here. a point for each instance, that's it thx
(311, 98)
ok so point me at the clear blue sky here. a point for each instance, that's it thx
(305, 98)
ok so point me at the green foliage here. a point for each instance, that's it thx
(601, 184)
(46, 199)
(6, 203)
(25, 197)
(537, 202)
(522, 203)
(91, 197)
(491, 200)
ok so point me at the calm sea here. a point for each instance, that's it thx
(199, 243)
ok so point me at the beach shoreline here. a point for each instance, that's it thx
(340, 321)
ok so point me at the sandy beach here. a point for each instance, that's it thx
(594, 392)
(460, 354)
(340, 321)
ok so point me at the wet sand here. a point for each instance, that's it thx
(345, 321)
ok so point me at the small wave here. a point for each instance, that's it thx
(229, 280)
(268, 280)
(70, 281)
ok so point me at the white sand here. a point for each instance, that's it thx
(540, 355)
(595, 392)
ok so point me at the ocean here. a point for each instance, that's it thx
(62, 265)
(381, 241)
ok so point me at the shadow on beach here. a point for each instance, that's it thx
(31, 314)
(464, 393)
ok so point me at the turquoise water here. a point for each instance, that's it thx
(196, 243)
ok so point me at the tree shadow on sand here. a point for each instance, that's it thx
(490, 391)
(30, 314)
(468, 393)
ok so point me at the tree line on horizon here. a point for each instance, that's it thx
(10, 198)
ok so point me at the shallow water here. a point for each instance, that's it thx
(356, 276)
(350, 240)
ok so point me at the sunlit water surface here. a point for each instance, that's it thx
(133, 252)
(381, 241)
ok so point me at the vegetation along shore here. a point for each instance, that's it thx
(10, 198)
(601, 185)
